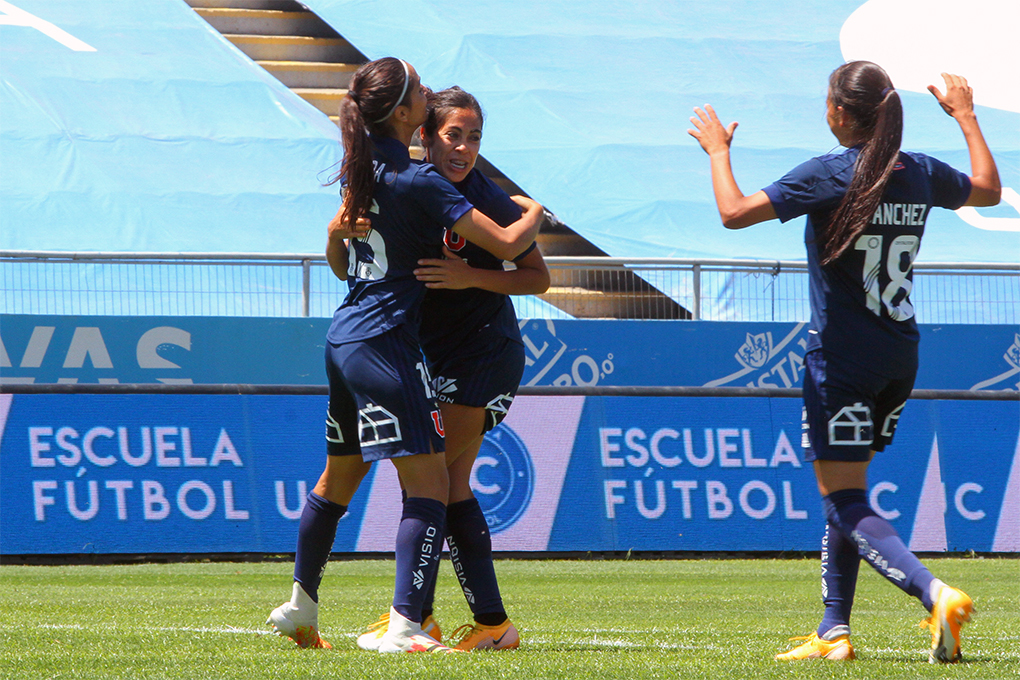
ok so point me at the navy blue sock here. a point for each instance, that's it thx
(878, 543)
(840, 563)
(316, 532)
(428, 605)
(419, 545)
(471, 554)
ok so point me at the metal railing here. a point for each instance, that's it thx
(285, 285)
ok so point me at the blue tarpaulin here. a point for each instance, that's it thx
(159, 135)
(135, 126)
(588, 102)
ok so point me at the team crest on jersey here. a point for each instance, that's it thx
(376, 426)
(503, 478)
(851, 426)
(453, 240)
(437, 422)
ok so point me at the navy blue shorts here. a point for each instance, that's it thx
(483, 373)
(848, 412)
(381, 402)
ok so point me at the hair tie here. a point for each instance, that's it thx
(886, 91)
(407, 81)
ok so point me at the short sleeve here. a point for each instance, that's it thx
(526, 252)
(950, 187)
(438, 198)
(809, 187)
(491, 200)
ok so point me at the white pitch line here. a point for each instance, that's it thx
(619, 644)
(229, 630)
(169, 629)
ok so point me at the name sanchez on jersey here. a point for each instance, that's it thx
(909, 214)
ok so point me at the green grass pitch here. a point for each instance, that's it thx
(578, 619)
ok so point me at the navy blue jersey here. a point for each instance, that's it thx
(860, 304)
(412, 205)
(449, 317)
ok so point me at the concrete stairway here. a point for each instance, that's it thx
(308, 56)
(295, 45)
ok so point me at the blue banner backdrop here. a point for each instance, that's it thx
(199, 473)
(50, 349)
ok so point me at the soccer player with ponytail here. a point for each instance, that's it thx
(866, 209)
(381, 400)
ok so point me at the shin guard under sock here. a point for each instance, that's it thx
(316, 532)
(840, 564)
(419, 545)
(471, 554)
(878, 543)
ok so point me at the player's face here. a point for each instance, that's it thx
(454, 149)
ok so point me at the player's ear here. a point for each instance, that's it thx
(843, 118)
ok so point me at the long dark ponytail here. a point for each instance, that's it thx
(376, 89)
(866, 94)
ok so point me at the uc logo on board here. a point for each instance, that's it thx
(503, 478)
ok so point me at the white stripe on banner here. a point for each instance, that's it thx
(548, 428)
(929, 533)
(1007, 533)
(5, 409)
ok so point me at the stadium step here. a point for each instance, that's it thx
(228, 20)
(295, 48)
(281, 5)
(308, 56)
(309, 74)
(325, 99)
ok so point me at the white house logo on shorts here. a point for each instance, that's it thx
(376, 425)
(851, 426)
(503, 478)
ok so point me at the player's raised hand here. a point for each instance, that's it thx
(959, 97)
(709, 132)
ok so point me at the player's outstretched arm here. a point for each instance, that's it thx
(736, 210)
(505, 243)
(958, 102)
(530, 278)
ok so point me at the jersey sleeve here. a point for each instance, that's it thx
(526, 252)
(807, 188)
(950, 187)
(438, 198)
(492, 201)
